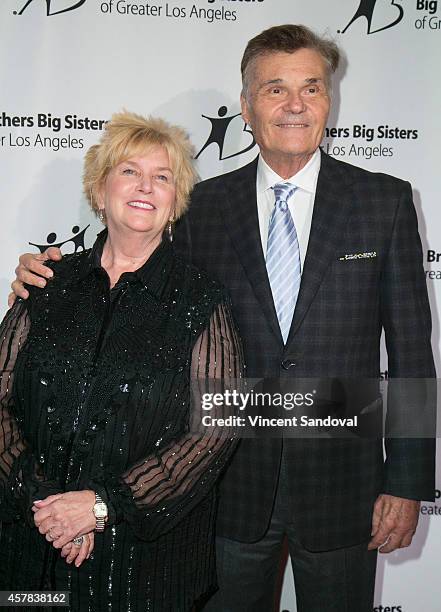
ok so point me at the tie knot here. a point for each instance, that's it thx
(283, 191)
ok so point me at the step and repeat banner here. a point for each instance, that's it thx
(67, 65)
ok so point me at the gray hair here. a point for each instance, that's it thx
(288, 38)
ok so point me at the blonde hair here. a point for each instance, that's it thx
(128, 134)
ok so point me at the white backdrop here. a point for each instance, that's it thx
(68, 64)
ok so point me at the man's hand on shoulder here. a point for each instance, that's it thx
(394, 522)
(31, 270)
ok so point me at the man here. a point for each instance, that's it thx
(277, 233)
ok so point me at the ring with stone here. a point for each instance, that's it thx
(78, 541)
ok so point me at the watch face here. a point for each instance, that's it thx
(100, 510)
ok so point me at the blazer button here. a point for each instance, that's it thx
(288, 363)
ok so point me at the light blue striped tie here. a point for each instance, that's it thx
(283, 258)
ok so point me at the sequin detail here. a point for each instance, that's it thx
(101, 391)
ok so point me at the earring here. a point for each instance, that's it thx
(170, 229)
(102, 215)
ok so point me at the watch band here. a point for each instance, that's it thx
(100, 512)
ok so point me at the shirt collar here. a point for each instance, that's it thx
(305, 179)
(150, 274)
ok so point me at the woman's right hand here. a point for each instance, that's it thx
(71, 552)
(31, 270)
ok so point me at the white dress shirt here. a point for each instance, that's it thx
(301, 203)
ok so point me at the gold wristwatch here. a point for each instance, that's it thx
(100, 512)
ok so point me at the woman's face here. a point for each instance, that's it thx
(139, 194)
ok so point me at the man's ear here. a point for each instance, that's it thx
(244, 109)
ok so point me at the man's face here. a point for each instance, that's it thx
(287, 106)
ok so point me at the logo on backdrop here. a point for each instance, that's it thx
(77, 240)
(434, 258)
(52, 6)
(362, 140)
(433, 509)
(366, 9)
(218, 133)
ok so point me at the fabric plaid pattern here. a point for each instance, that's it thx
(341, 308)
(283, 257)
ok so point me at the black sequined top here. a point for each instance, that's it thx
(95, 395)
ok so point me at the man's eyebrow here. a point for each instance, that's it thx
(278, 81)
(313, 80)
(270, 82)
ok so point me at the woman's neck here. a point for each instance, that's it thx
(127, 253)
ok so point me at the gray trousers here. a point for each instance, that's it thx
(340, 580)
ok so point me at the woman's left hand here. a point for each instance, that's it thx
(62, 517)
(73, 552)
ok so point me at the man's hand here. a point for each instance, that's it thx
(64, 516)
(31, 270)
(394, 522)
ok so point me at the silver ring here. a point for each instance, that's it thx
(78, 541)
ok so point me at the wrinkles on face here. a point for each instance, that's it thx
(287, 106)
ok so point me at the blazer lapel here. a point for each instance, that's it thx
(242, 221)
(332, 207)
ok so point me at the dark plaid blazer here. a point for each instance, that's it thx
(341, 309)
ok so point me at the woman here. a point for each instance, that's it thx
(96, 449)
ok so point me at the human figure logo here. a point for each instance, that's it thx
(77, 240)
(366, 9)
(52, 5)
(219, 127)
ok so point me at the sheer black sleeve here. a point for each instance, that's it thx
(158, 492)
(21, 476)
